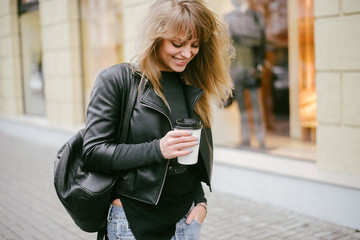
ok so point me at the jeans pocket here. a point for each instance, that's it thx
(186, 231)
(117, 225)
(197, 222)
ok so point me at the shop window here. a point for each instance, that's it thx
(259, 119)
(307, 91)
(25, 6)
(31, 57)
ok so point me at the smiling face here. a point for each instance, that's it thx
(175, 53)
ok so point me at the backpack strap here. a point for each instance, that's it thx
(133, 90)
(124, 129)
(101, 235)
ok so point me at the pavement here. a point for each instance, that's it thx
(30, 209)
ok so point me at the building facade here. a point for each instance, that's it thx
(52, 50)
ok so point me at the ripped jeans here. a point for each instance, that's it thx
(118, 227)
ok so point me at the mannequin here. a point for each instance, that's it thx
(247, 29)
(241, 5)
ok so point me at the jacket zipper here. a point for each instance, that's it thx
(168, 161)
(167, 164)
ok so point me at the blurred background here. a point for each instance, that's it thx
(52, 50)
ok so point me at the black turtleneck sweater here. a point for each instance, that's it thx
(157, 222)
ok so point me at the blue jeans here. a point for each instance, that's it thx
(118, 227)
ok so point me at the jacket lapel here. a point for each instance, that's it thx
(152, 100)
(192, 96)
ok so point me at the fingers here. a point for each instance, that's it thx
(176, 143)
(181, 136)
(182, 140)
(179, 133)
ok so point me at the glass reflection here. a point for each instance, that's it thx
(262, 106)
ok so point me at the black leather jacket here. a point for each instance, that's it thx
(140, 162)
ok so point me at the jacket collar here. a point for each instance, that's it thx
(151, 99)
(192, 96)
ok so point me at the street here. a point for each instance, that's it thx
(30, 209)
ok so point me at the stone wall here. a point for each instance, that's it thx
(11, 103)
(337, 61)
(62, 61)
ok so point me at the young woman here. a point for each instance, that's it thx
(182, 66)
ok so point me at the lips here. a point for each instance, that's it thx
(180, 60)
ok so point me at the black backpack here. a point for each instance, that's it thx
(86, 195)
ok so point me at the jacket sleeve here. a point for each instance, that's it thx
(101, 151)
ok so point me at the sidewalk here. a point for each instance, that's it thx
(29, 208)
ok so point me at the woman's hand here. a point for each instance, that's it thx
(198, 213)
(175, 143)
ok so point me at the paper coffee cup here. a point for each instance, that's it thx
(195, 127)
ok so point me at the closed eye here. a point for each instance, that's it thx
(176, 45)
(194, 45)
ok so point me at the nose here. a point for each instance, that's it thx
(186, 52)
